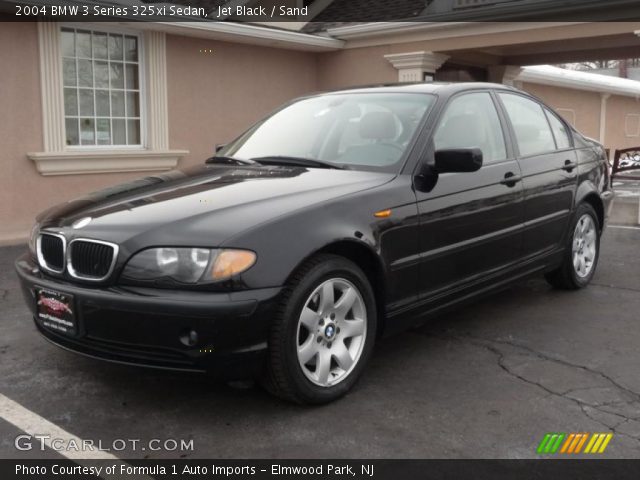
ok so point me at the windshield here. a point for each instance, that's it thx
(361, 131)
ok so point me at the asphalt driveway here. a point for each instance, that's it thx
(486, 382)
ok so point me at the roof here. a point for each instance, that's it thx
(338, 12)
(319, 27)
(352, 12)
(540, 74)
(445, 88)
(341, 13)
(580, 80)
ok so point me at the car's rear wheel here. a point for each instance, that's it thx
(581, 254)
(323, 333)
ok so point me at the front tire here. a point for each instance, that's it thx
(323, 332)
(581, 253)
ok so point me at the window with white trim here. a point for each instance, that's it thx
(102, 88)
(133, 138)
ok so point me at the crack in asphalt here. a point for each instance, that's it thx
(587, 408)
(566, 363)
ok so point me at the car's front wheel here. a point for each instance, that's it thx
(582, 251)
(323, 333)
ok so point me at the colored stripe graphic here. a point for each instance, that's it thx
(576, 439)
(555, 447)
(550, 443)
(596, 445)
(543, 443)
(570, 438)
(605, 443)
(573, 443)
(594, 437)
(599, 442)
(581, 443)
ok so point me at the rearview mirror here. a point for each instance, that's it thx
(458, 160)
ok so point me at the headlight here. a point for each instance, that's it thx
(33, 237)
(187, 265)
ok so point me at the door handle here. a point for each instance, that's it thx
(569, 165)
(510, 179)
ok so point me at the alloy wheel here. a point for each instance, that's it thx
(584, 247)
(331, 334)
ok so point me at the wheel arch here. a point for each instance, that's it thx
(368, 260)
(595, 201)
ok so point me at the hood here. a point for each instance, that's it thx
(201, 206)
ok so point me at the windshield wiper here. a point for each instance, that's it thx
(236, 161)
(297, 161)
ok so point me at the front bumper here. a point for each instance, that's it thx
(151, 327)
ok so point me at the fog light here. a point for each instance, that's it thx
(189, 338)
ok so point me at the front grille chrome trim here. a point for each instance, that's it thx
(41, 261)
(78, 276)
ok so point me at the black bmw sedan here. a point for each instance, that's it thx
(337, 219)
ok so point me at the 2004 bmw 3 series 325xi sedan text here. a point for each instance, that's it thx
(338, 218)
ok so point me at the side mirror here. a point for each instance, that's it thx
(457, 160)
(220, 146)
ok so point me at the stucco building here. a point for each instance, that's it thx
(89, 105)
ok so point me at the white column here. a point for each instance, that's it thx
(505, 74)
(413, 66)
(603, 116)
(51, 87)
(156, 97)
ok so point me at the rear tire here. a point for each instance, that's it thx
(323, 332)
(581, 253)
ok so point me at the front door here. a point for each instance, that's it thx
(470, 223)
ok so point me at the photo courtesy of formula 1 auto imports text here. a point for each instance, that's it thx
(319, 239)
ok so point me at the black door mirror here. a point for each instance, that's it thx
(458, 160)
(220, 146)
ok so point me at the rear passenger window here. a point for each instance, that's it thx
(471, 121)
(559, 131)
(530, 124)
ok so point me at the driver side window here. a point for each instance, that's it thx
(471, 121)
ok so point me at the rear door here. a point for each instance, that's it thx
(549, 171)
(470, 223)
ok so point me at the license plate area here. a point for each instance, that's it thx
(55, 311)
